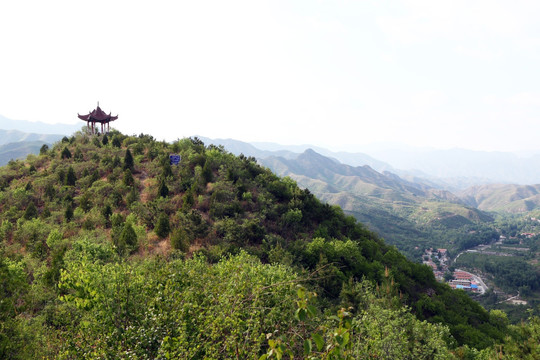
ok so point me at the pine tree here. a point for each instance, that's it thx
(163, 227)
(207, 172)
(116, 142)
(84, 202)
(128, 237)
(66, 154)
(179, 240)
(68, 214)
(128, 178)
(106, 213)
(43, 150)
(163, 190)
(128, 160)
(78, 156)
(70, 177)
(31, 211)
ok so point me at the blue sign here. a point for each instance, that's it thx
(175, 159)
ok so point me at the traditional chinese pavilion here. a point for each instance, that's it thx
(98, 116)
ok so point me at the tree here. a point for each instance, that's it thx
(207, 172)
(66, 154)
(106, 213)
(128, 239)
(31, 211)
(128, 178)
(105, 140)
(78, 156)
(70, 177)
(163, 190)
(68, 213)
(128, 161)
(179, 240)
(43, 150)
(166, 169)
(116, 162)
(132, 196)
(116, 142)
(84, 202)
(163, 227)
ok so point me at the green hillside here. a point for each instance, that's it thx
(108, 251)
(503, 197)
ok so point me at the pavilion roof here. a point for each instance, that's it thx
(98, 115)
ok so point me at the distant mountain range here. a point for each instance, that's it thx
(15, 144)
(13, 136)
(503, 197)
(19, 138)
(19, 150)
(38, 127)
(461, 168)
(454, 169)
(354, 180)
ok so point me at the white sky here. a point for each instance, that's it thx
(330, 73)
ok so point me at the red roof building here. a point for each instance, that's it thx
(462, 275)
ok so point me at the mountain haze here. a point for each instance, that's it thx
(473, 167)
(11, 136)
(37, 127)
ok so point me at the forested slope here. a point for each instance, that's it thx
(108, 251)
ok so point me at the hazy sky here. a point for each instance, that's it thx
(427, 73)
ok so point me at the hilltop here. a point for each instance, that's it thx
(109, 250)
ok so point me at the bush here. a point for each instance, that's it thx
(179, 240)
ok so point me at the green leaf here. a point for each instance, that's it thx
(319, 341)
(301, 314)
(307, 346)
(263, 357)
(312, 310)
(346, 338)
